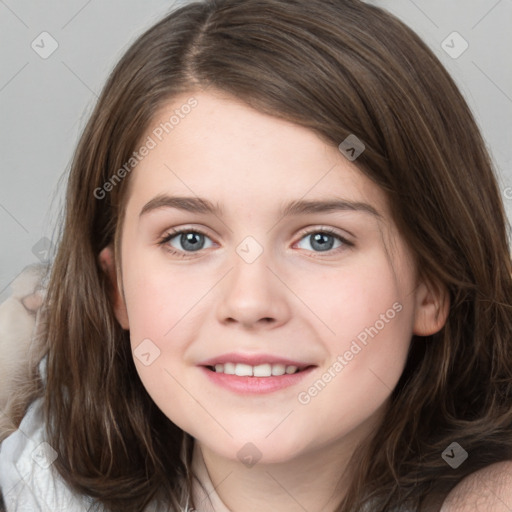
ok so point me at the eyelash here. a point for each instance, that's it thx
(187, 254)
(172, 234)
(326, 231)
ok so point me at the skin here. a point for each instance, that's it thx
(292, 301)
(489, 489)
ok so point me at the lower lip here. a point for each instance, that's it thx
(256, 385)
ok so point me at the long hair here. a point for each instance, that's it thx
(337, 67)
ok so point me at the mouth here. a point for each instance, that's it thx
(262, 378)
(261, 370)
(250, 374)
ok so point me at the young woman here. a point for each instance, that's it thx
(283, 281)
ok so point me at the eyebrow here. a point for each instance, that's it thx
(304, 207)
(299, 207)
(189, 204)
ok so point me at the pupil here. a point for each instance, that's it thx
(322, 242)
(192, 241)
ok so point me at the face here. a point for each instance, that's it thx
(252, 246)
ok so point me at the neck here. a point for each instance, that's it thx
(315, 481)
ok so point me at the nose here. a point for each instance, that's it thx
(253, 297)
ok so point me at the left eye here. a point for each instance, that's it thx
(320, 242)
(189, 241)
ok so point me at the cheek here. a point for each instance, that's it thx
(157, 303)
(164, 308)
(368, 321)
(157, 299)
(351, 299)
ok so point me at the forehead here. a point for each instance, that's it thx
(224, 150)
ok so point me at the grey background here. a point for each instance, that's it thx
(45, 102)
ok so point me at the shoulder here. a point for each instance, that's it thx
(27, 479)
(487, 489)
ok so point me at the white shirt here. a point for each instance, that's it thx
(29, 483)
(27, 479)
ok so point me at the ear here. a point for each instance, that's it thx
(106, 260)
(432, 307)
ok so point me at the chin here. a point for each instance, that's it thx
(249, 450)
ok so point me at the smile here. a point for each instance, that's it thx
(261, 370)
(254, 380)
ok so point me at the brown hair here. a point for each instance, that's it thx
(338, 67)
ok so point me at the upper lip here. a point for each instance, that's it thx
(253, 360)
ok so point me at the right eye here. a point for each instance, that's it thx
(186, 241)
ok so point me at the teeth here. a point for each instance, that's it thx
(229, 368)
(262, 370)
(278, 369)
(243, 370)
